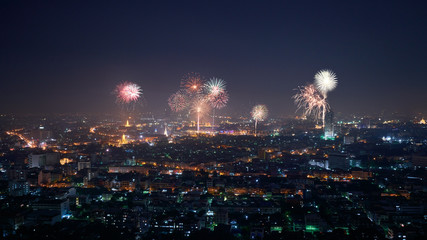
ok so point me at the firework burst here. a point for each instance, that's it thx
(219, 100)
(128, 92)
(259, 113)
(178, 101)
(217, 96)
(193, 83)
(325, 81)
(310, 100)
(215, 86)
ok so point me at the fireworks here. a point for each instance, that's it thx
(178, 101)
(128, 92)
(259, 113)
(200, 107)
(219, 100)
(193, 83)
(197, 96)
(310, 101)
(325, 81)
(312, 98)
(216, 95)
(215, 86)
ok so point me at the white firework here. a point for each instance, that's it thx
(215, 86)
(259, 113)
(325, 81)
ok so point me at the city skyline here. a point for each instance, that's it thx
(69, 58)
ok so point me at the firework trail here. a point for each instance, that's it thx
(325, 81)
(193, 83)
(259, 113)
(200, 107)
(178, 101)
(310, 100)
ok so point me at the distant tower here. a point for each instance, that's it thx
(329, 125)
(123, 141)
(127, 123)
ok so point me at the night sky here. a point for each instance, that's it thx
(67, 56)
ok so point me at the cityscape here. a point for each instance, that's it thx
(99, 139)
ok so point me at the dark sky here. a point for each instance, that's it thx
(67, 56)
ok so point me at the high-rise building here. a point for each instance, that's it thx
(329, 125)
(338, 161)
(36, 160)
(45, 159)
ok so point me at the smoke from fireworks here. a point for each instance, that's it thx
(178, 101)
(128, 92)
(259, 112)
(193, 83)
(325, 81)
(310, 100)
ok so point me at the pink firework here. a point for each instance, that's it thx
(218, 100)
(193, 82)
(178, 101)
(128, 92)
(310, 100)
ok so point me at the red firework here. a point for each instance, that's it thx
(218, 100)
(178, 101)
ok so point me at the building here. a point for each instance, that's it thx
(329, 125)
(61, 206)
(36, 160)
(338, 161)
(83, 165)
(41, 134)
(52, 159)
(19, 188)
(348, 140)
(45, 159)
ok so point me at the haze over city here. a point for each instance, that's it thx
(68, 57)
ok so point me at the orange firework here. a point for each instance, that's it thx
(193, 82)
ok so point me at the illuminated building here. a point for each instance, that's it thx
(329, 125)
(36, 160)
(41, 160)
